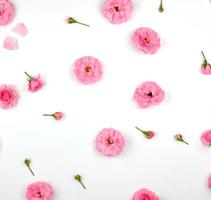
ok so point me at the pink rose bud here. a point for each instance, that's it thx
(57, 115)
(145, 194)
(205, 67)
(79, 179)
(206, 138)
(147, 134)
(35, 83)
(71, 20)
(209, 181)
(179, 138)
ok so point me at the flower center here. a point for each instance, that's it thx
(88, 69)
(5, 95)
(110, 141)
(145, 197)
(39, 194)
(116, 8)
(146, 40)
(150, 94)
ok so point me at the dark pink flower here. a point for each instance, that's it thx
(20, 29)
(35, 83)
(88, 69)
(117, 11)
(7, 12)
(206, 138)
(10, 43)
(145, 194)
(205, 67)
(56, 115)
(110, 142)
(180, 138)
(147, 134)
(39, 190)
(146, 40)
(8, 96)
(148, 93)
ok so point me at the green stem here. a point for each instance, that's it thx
(30, 77)
(144, 132)
(205, 60)
(82, 23)
(51, 115)
(184, 142)
(82, 184)
(31, 170)
(161, 6)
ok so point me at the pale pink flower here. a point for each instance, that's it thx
(10, 43)
(180, 138)
(206, 137)
(7, 12)
(39, 190)
(56, 115)
(88, 69)
(35, 83)
(209, 181)
(148, 93)
(8, 96)
(20, 29)
(110, 142)
(145, 194)
(117, 11)
(147, 134)
(146, 40)
(205, 67)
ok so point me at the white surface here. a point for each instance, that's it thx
(61, 149)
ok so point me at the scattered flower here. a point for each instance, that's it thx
(146, 40)
(8, 96)
(206, 138)
(117, 11)
(28, 163)
(88, 69)
(39, 190)
(110, 142)
(7, 11)
(209, 181)
(20, 29)
(148, 93)
(205, 67)
(147, 134)
(56, 115)
(10, 43)
(145, 194)
(161, 9)
(179, 138)
(78, 178)
(35, 83)
(71, 20)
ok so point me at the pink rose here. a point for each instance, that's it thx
(205, 67)
(146, 40)
(110, 142)
(56, 115)
(148, 93)
(35, 83)
(7, 12)
(145, 194)
(180, 138)
(209, 181)
(206, 137)
(88, 69)
(117, 11)
(8, 96)
(39, 190)
(147, 134)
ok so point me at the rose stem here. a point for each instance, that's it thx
(82, 23)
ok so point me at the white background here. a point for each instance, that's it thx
(59, 150)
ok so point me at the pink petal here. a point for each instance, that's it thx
(20, 29)
(10, 43)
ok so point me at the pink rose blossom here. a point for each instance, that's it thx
(145, 194)
(209, 181)
(57, 115)
(8, 96)
(10, 43)
(35, 83)
(88, 69)
(147, 134)
(110, 142)
(20, 29)
(146, 40)
(205, 67)
(148, 93)
(39, 190)
(180, 138)
(71, 20)
(117, 11)
(7, 12)
(206, 137)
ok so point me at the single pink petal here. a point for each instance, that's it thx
(20, 29)
(10, 43)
